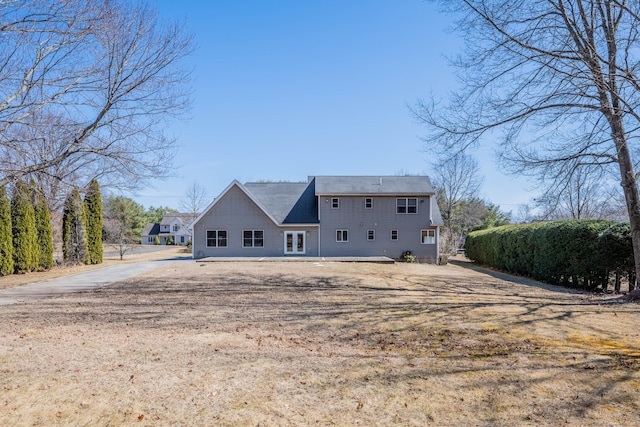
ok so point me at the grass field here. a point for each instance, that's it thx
(207, 344)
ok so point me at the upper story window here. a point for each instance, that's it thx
(394, 234)
(371, 234)
(253, 238)
(368, 203)
(335, 203)
(176, 227)
(342, 235)
(407, 205)
(216, 238)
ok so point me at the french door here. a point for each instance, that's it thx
(294, 242)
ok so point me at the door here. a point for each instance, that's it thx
(294, 242)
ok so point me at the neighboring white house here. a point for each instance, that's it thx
(173, 228)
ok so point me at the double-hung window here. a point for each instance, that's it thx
(342, 235)
(428, 237)
(216, 238)
(371, 235)
(253, 238)
(394, 234)
(368, 203)
(335, 203)
(407, 205)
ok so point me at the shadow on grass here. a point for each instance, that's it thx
(401, 328)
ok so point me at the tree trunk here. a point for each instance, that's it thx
(630, 187)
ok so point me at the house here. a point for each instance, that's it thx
(173, 228)
(327, 216)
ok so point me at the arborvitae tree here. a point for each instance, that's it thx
(93, 211)
(25, 234)
(6, 235)
(74, 238)
(43, 228)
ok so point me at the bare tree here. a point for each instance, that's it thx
(585, 194)
(87, 88)
(559, 78)
(455, 179)
(194, 202)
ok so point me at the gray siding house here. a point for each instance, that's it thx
(326, 216)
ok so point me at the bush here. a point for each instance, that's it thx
(407, 256)
(25, 234)
(6, 235)
(578, 254)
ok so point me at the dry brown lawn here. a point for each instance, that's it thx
(109, 260)
(203, 344)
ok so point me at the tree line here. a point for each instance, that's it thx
(26, 231)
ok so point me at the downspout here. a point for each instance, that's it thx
(319, 226)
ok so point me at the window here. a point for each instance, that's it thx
(253, 238)
(368, 203)
(150, 239)
(428, 237)
(394, 234)
(407, 206)
(216, 238)
(176, 227)
(371, 234)
(335, 203)
(181, 239)
(342, 235)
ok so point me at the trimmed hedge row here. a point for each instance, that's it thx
(581, 254)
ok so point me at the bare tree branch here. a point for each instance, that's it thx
(92, 82)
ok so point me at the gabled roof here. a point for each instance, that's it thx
(296, 203)
(287, 202)
(168, 218)
(151, 229)
(374, 185)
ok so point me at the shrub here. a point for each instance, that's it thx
(74, 238)
(6, 235)
(25, 235)
(43, 228)
(579, 254)
(407, 256)
(93, 211)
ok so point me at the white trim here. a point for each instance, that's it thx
(429, 232)
(406, 199)
(365, 202)
(391, 235)
(253, 239)
(294, 240)
(235, 183)
(373, 233)
(342, 231)
(217, 230)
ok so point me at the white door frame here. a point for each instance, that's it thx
(295, 247)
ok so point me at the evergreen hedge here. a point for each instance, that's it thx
(93, 216)
(74, 237)
(581, 254)
(43, 228)
(25, 234)
(6, 235)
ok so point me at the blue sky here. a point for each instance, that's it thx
(287, 89)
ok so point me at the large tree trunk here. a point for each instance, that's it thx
(630, 186)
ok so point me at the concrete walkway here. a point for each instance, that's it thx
(79, 282)
(373, 259)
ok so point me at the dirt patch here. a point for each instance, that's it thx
(322, 344)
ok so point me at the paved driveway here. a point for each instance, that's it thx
(79, 282)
